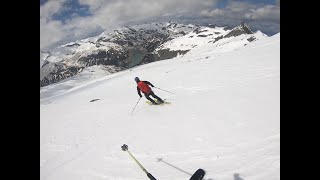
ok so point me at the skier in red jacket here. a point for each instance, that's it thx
(143, 86)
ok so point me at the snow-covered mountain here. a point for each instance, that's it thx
(224, 116)
(43, 57)
(139, 44)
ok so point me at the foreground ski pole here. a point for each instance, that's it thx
(135, 106)
(198, 175)
(125, 148)
(164, 90)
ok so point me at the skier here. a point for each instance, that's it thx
(144, 87)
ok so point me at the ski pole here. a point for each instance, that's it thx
(135, 106)
(164, 90)
(160, 160)
(125, 148)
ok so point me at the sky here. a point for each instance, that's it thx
(63, 21)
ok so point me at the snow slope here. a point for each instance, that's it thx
(224, 118)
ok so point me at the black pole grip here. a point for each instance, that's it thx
(151, 177)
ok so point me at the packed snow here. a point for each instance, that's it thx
(224, 117)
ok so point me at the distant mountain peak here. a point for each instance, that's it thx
(243, 28)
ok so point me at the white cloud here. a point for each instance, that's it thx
(234, 10)
(93, 4)
(129, 10)
(50, 8)
(213, 13)
(111, 13)
(240, 7)
(245, 11)
(106, 13)
(268, 12)
(51, 32)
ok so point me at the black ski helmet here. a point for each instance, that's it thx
(136, 79)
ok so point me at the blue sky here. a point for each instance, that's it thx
(62, 21)
(70, 9)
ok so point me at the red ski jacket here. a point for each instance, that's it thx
(143, 86)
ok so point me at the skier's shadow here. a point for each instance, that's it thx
(237, 176)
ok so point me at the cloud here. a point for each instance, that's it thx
(213, 13)
(105, 14)
(50, 8)
(240, 6)
(259, 16)
(268, 12)
(51, 31)
(246, 11)
(94, 4)
(132, 10)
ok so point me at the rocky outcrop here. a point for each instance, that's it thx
(168, 54)
(243, 28)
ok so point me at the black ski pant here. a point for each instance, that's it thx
(147, 95)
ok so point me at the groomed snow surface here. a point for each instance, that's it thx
(224, 118)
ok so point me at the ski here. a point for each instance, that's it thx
(161, 104)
